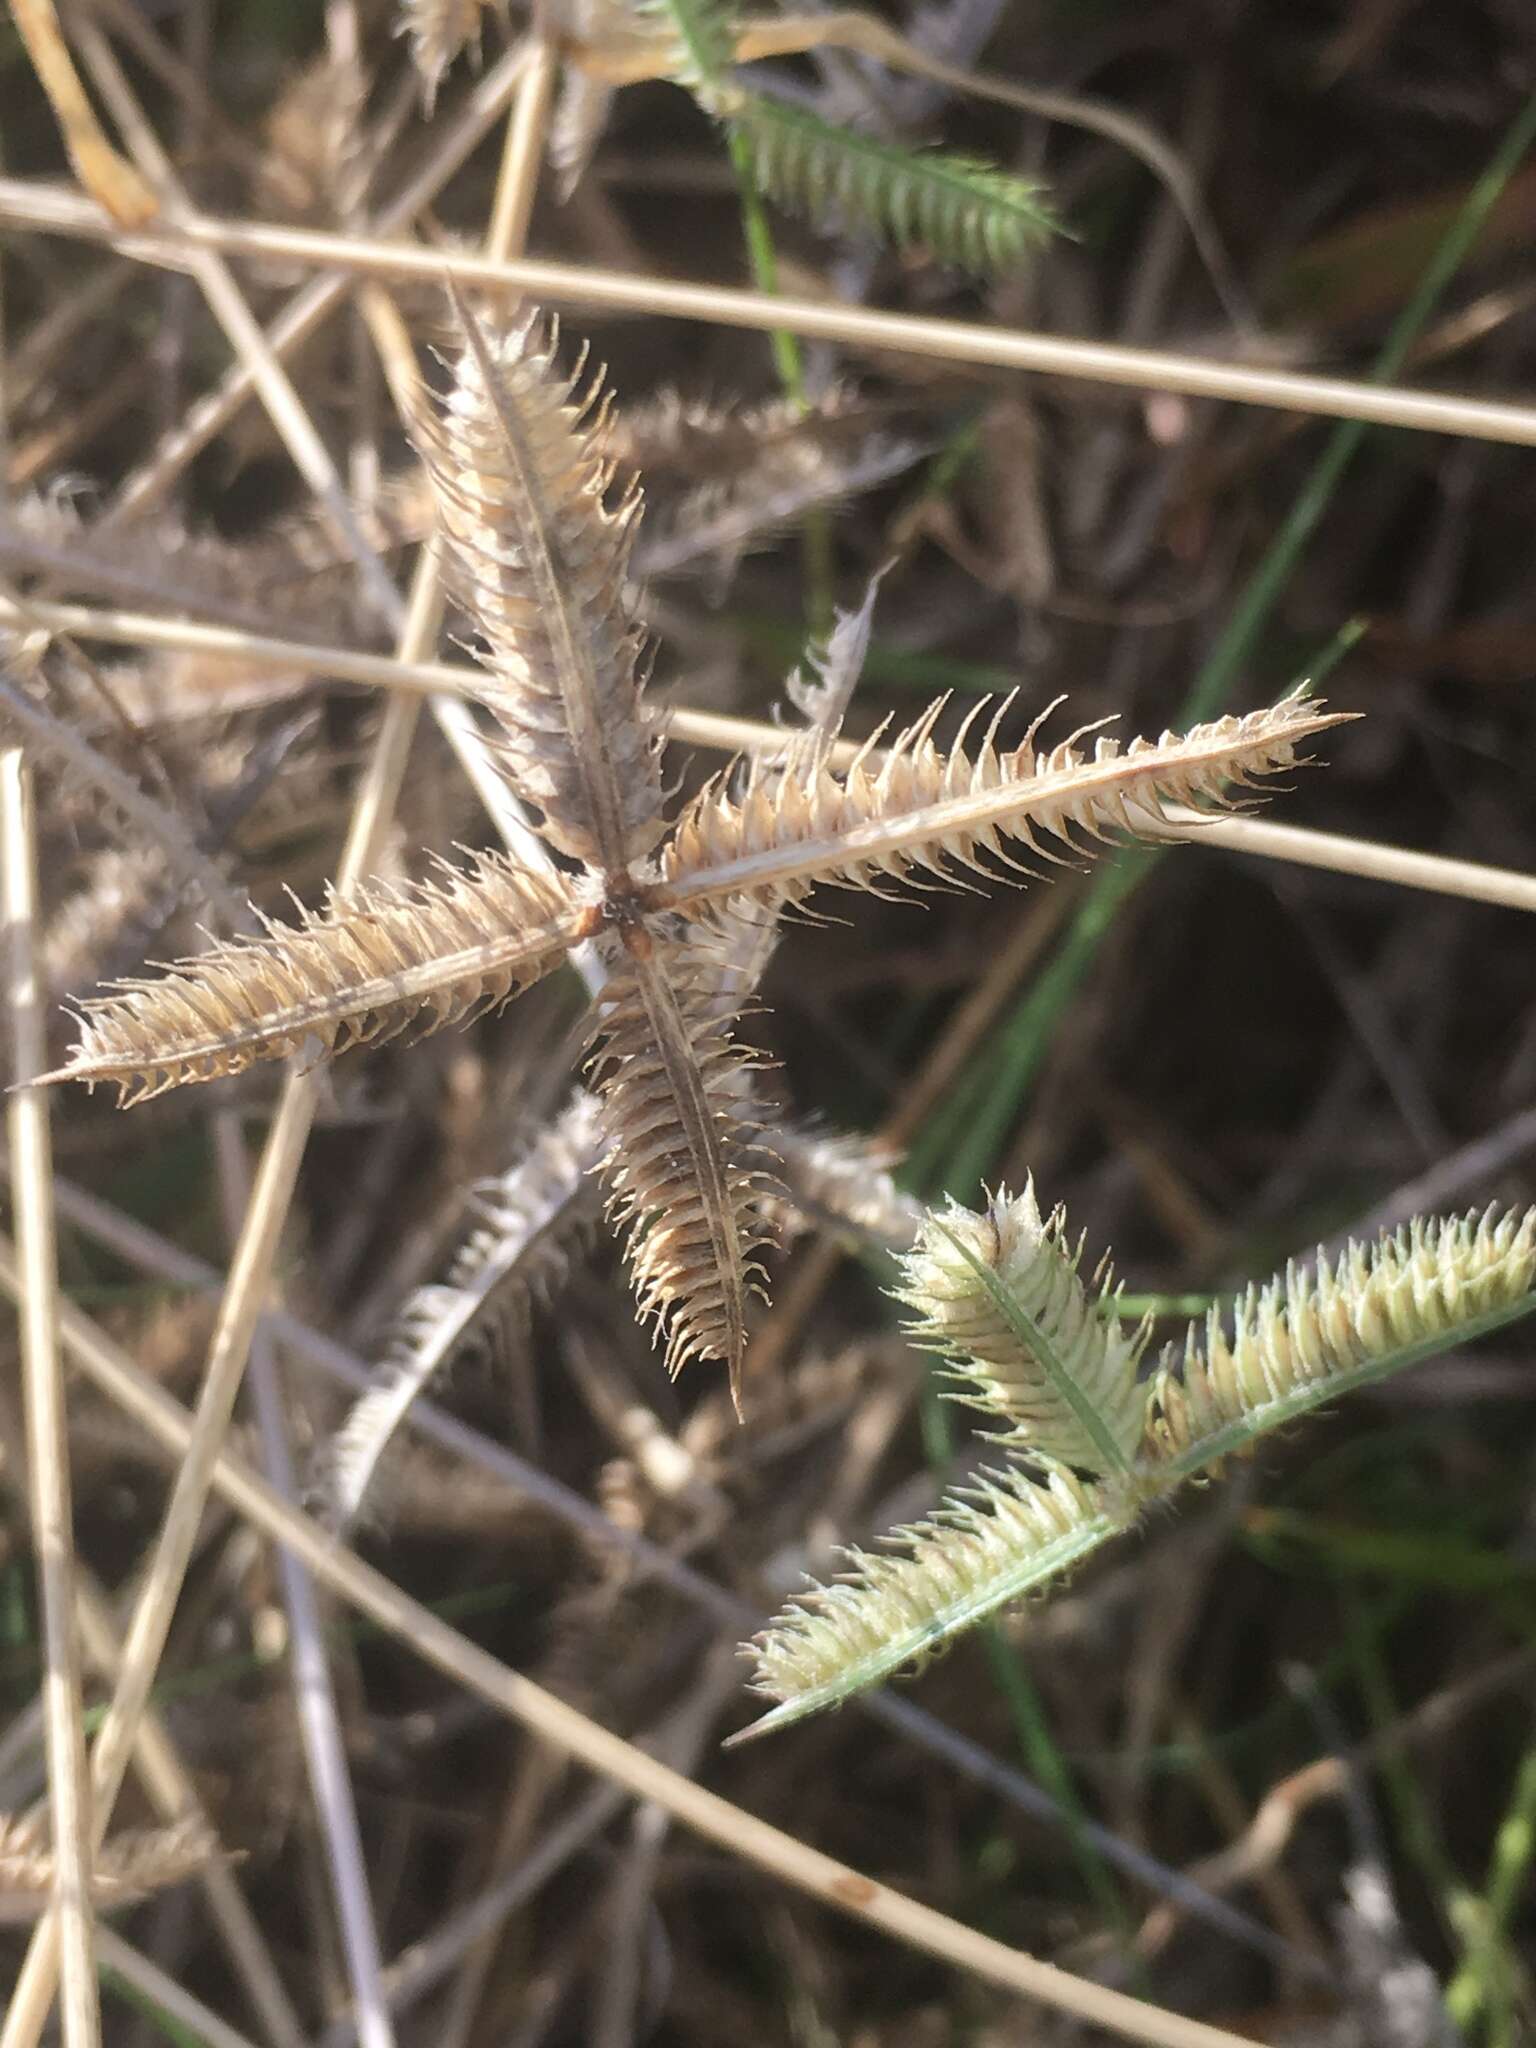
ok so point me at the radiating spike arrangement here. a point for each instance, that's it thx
(1319, 1330)
(538, 529)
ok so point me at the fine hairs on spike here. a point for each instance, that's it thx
(390, 960)
(1316, 1332)
(539, 531)
(685, 1179)
(519, 460)
(1000, 1296)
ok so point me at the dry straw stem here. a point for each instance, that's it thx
(47, 1416)
(162, 1990)
(574, 1735)
(97, 164)
(314, 1695)
(171, 1792)
(278, 1171)
(310, 306)
(229, 1348)
(1404, 867)
(28, 204)
(174, 1796)
(246, 337)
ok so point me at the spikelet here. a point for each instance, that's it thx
(528, 1220)
(393, 959)
(521, 468)
(1000, 1296)
(992, 1542)
(712, 525)
(1324, 1328)
(915, 813)
(685, 1180)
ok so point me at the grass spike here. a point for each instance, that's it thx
(686, 1182)
(392, 959)
(527, 1220)
(1000, 1296)
(520, 461)
(957, 209)
(919, 813)
(1326, 1326)
(1313, 1333)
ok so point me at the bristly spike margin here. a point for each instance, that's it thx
(521, 467)
(1318, 1331)
(1000, 1296)
(959, 210)
(391, 959)
(914, 812)
(687, 1183)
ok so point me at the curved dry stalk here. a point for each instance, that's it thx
(913, 812)
(386, 960)
(521, 467)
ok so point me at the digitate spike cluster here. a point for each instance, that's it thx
(538, 529)
(1089, 1443)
